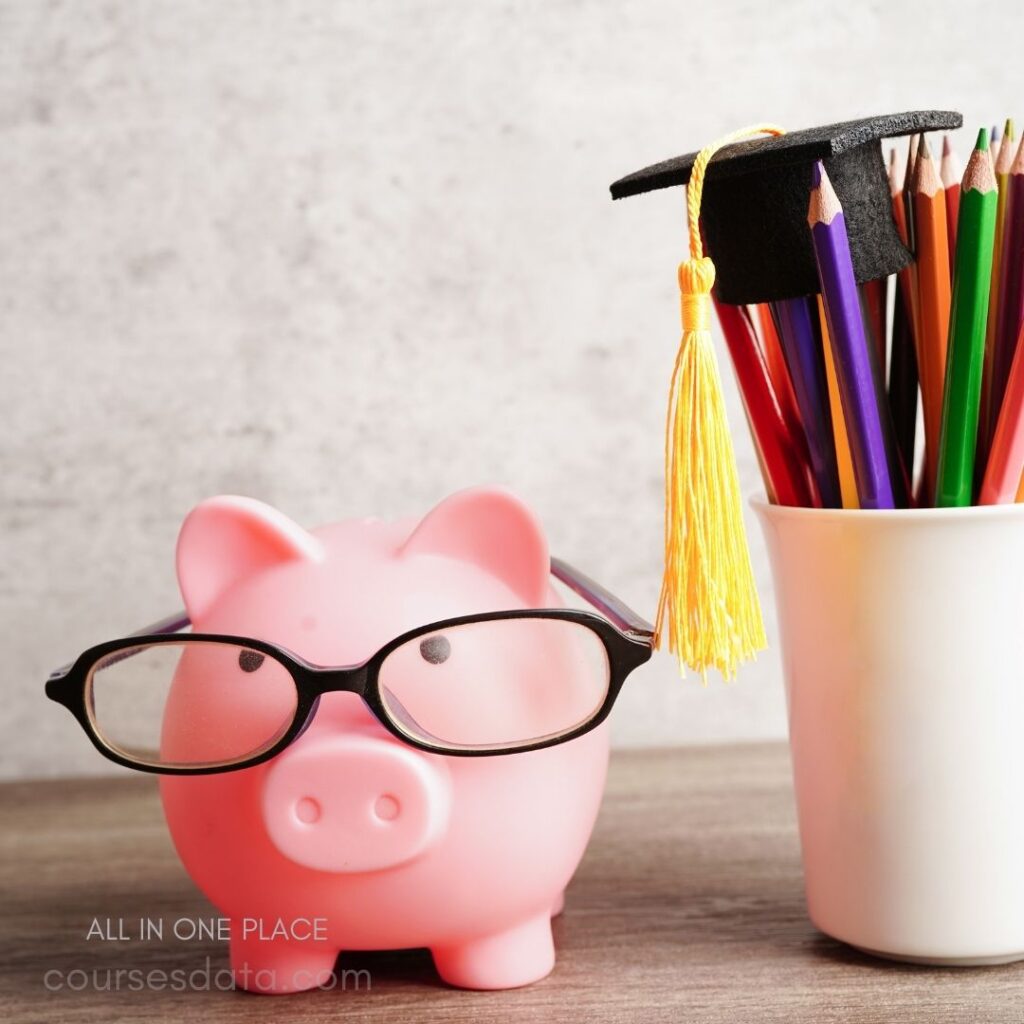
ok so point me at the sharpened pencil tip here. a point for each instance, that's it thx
(947, 146)
(982, 142)
(1008, 130)
(980, 174)
(1017, 167)
(824, 206)
(994, 136)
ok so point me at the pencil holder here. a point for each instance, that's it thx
(903, 645)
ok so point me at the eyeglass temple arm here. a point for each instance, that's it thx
(170, 624)
(615, 610)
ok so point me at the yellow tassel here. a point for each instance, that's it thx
(708, 599)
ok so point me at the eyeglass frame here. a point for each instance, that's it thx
(627, 637)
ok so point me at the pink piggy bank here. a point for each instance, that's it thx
(350, 838)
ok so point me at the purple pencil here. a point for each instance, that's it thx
(800, 337)
(849, 344)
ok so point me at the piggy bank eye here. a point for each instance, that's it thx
(249, 661)
(435, 649)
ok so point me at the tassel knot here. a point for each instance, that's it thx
(697, 277)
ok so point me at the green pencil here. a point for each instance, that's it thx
(965, 356)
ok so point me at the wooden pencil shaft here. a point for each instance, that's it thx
(903, 385)
(906, 295)
(801, 343)
(991, 383)
(778, 372)
(951, 185)
(1010, 306)
(968, 316)
(844, 460)
(874, 296)
(1005, 469)
(933, 292)
(785, 476)
(850, 352)
(908, 199)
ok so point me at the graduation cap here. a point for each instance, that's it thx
(754, 212)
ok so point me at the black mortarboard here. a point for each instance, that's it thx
(754, 213)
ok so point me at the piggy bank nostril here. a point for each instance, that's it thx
(387, 808)
(307, 810)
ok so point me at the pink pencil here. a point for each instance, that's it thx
(1006, 457)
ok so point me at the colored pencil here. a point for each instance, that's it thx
(903, 387)
(874, 297)
(1009, 308)
(972, 277)
(844, 461)
(933, 292)
(778, 371)
(950, 173)
(785, 473)
(1005, 467)
(908, 198)
(990, 397)
(903, 384)
(849, 344)
(801, 344)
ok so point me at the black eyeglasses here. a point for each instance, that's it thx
(496, 683)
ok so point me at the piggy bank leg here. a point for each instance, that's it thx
(559, 905)
(508, 959)
(277, 966)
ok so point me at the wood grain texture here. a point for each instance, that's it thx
(687, 907)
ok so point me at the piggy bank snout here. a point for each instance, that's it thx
(354, 803)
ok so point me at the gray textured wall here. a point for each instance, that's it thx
(347, 257)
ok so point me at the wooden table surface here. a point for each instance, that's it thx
(687, 907)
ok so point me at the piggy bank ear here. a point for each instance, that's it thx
(225, 539)
(491, 528)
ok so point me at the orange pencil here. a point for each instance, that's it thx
(951, 173)
(933, 293)
(844, 459)
(1006, 457)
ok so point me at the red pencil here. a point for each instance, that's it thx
(951, 173)
(778, 372)
(1003, 473)
(787, 478)
(874, 299)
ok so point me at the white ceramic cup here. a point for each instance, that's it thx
(903, 649)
